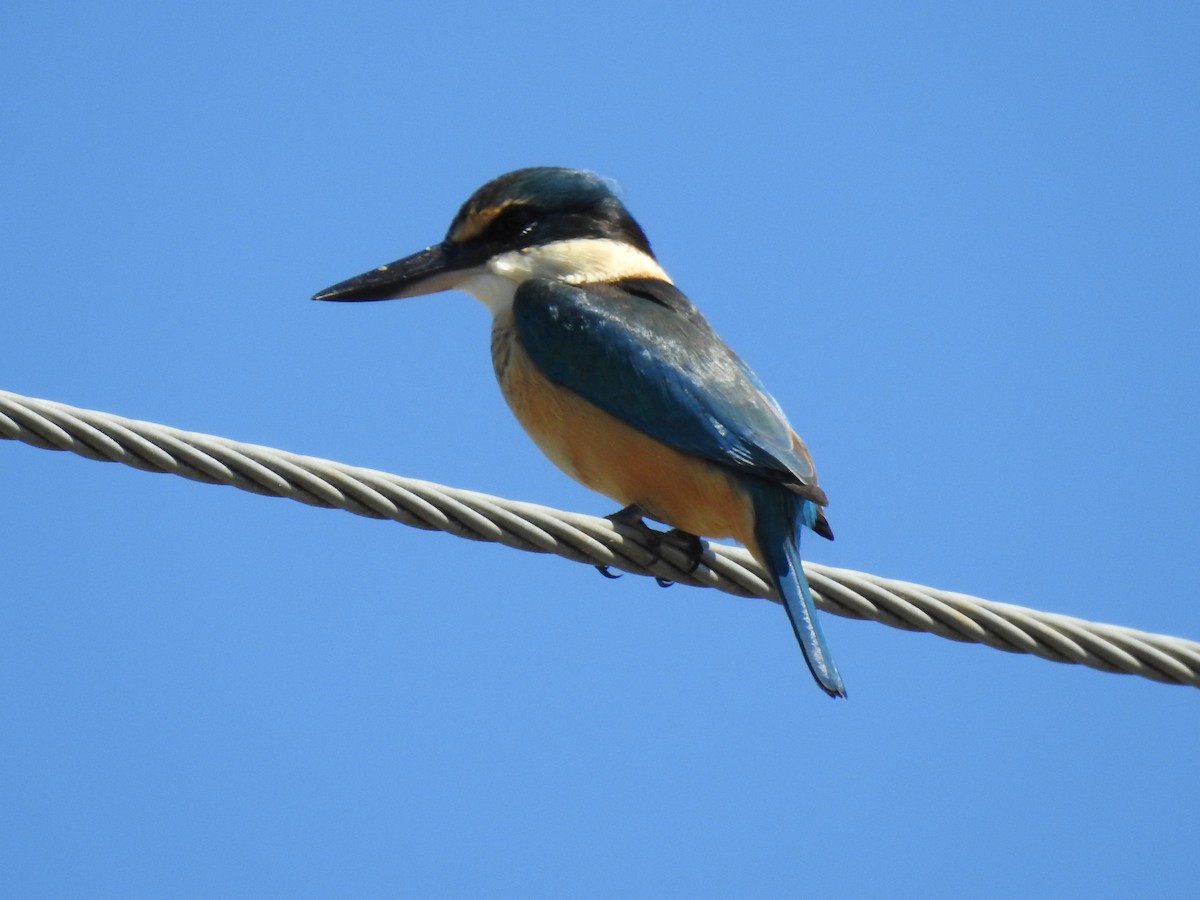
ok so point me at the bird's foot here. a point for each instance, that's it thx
(693, 546)
(631, 517)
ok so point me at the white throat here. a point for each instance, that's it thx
(577, 261)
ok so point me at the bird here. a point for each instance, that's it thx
(619, 379)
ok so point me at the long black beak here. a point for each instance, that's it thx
(437, 268)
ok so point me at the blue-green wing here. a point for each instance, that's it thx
(640, 350)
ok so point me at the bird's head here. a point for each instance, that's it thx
(543, 222)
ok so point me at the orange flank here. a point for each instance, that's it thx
(602, 452)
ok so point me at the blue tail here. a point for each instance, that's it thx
(779, 518)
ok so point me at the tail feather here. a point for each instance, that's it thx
(778, 524)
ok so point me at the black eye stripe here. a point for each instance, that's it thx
(512, 223)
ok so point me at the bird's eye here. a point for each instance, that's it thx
(514, 223)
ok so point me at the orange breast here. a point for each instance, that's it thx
(609, 456)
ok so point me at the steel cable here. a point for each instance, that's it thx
(587, 539)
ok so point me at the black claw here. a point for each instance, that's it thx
(693, 545)
(631, 517)
(604, 570)
(663, 582)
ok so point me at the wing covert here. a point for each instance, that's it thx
(642, 352)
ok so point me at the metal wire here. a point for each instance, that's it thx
(587, 539)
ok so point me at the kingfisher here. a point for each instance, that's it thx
(619, 379)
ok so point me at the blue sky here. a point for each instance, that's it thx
(958, 243)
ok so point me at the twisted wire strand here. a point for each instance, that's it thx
(587, 539)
